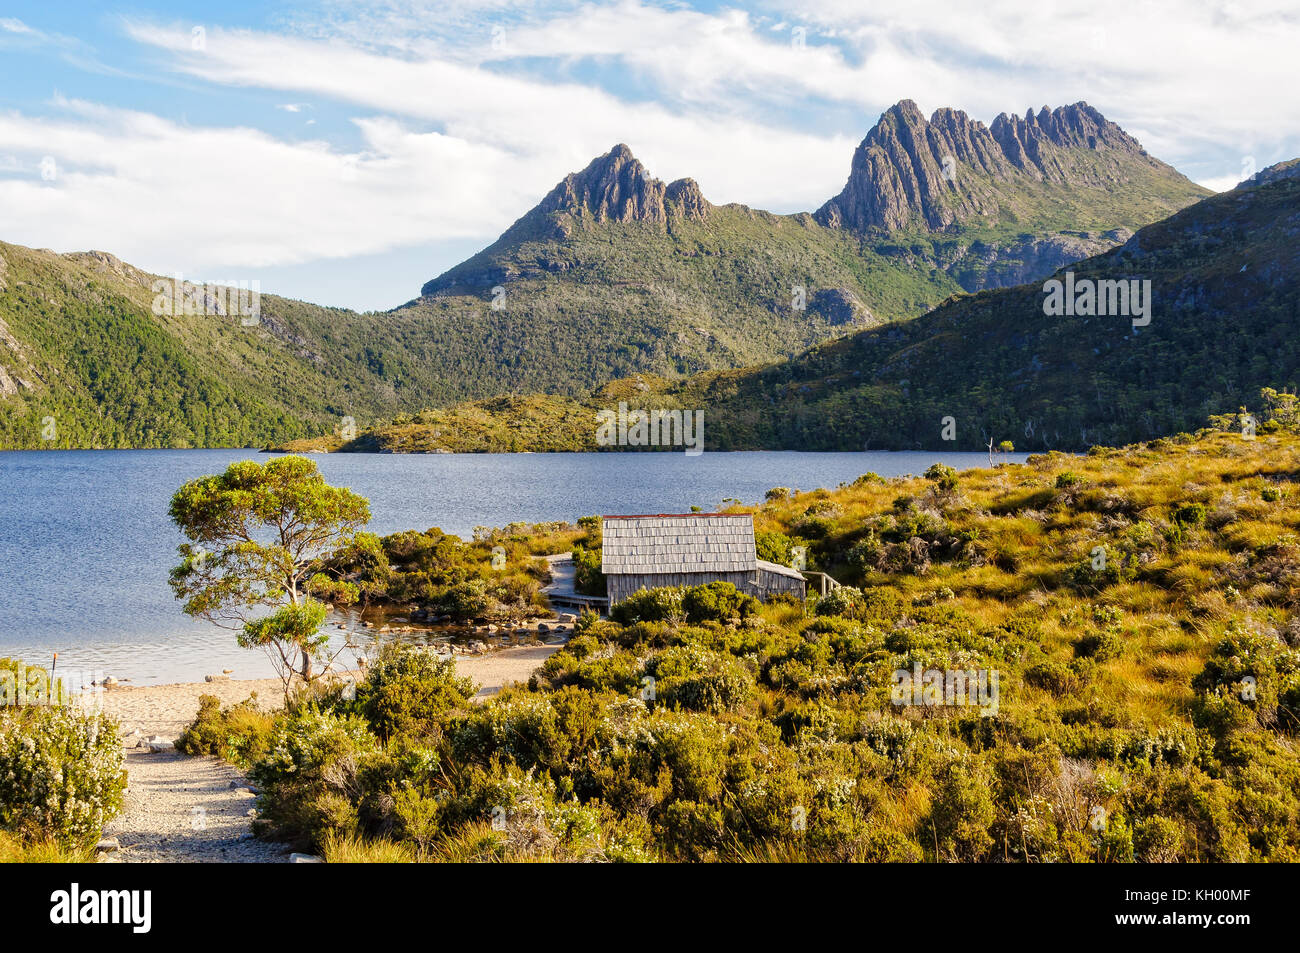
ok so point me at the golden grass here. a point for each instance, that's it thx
(16, 850)
(344, 848)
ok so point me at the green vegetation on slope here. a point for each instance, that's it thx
(80, 345)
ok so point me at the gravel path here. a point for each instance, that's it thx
(182, 808)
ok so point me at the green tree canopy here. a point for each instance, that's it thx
(258, 535)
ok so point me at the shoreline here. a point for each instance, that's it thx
(193, 656)
(166, 709)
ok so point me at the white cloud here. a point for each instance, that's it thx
(557, 127)
(1221, 183)
(170, 197)
(458, 137)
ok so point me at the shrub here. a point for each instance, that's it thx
(1088, 578)
(1101, 646)
(587, 576)
(238, 733)
(61, 776)
(663, 604)
(700, 680)
(814, 526)
(778, 547)
(943, 477)
(462, 601)
(1189, 514)
(311, 755)
(408, 689)
(717, 602)
(1158, 840)
(1054, 677)
(845, 601)
(963, 809)
(586, 619)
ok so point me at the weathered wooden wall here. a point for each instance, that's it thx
(756, 582)
(772, 583)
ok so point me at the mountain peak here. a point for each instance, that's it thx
(1077, 126)
(617, 187)
(935, 173)
(614, 187)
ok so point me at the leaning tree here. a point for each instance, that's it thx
(258, 535)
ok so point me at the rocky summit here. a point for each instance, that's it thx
(617, 187)
(951, 169)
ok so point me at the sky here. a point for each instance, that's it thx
(345, 153)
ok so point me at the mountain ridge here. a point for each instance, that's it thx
(914, 172)
(1227, 303)
(613, 273)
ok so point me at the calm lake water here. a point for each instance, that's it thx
(86, 545)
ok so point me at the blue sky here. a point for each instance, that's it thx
(347, 152)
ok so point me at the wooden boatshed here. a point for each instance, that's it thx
(689, 549)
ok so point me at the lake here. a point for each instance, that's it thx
(86, 545)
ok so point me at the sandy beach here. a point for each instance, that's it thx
(167, 709)
(197, 809)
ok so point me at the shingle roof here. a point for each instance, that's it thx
(779, 569)
(692, 542)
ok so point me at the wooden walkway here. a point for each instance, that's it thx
(560, 591)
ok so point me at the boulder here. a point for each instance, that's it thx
(216, 678)
(108, 844)
(297, 858)
(156, 744)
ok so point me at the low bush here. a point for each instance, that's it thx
(61, 776)
(717, 602)
(237, 733)
(663, 604)
(407, 690)
(314, 760)
(1101, 646)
